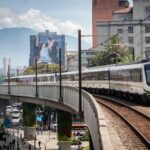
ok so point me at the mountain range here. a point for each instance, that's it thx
(15, 44)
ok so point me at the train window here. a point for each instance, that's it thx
(71, 77)
(102, 75)
(147, 73)
(136, 75)
(65, 77)
(87, 76)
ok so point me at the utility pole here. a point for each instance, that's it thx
(80, 82)
(8, 75)
(133, 55)
(60, 81)
(36, 79)
(35, 142)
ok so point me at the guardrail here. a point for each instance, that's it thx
(70, 98)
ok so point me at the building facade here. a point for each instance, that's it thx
(133, 27)
(45, 47)
(102, 11)
(72, 59)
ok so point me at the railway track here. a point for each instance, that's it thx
(139, 122)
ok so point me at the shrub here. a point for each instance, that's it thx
(63, 138)
(84, 138)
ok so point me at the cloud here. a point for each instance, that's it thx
(34, 19)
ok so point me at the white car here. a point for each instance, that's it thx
(8, 108)
(53, 126)
(16, 113)
(15, 120)
(14, 107)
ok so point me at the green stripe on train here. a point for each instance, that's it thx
(146, 91)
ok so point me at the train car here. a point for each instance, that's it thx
(130, 80)
(30, 79)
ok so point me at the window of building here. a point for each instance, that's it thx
(147, 52)
(147, 40)
(147, 9)
(130, 29)
(123, 3)
(130, 40)
(147, 48)
(120, 30)
(147, 29)
(94, 2)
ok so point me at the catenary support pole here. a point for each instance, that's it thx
(60, 80)
(80, 82)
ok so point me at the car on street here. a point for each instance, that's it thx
(15, 120)
(16, 113)
(8, 110)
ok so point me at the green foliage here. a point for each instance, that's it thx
(84, 138)
(42, 68)
(63, 138)
(75, 142)
(29, 71)
(86, 148)
(128, 59)
(115, 53)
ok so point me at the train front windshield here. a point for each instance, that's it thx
(147, 72)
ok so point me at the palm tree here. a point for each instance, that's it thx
(115, 52)
(129, 58)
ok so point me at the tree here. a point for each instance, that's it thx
(42, 68)
(28, 71)
(115, 53)
(129, 58)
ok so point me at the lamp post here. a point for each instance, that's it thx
(35, 142)
(17, 138)
(133, 55)
(49, 120)
(60, 81)
(36, 80)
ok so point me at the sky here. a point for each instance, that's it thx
(61, 16)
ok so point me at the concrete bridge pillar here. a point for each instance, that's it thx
(29, 120)
(64, 120)
(3, 104)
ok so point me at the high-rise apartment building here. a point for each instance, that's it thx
(45, 47)
(5, 67)
(102, 11)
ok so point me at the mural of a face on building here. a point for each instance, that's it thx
(49, 51)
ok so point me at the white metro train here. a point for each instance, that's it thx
(130, 80)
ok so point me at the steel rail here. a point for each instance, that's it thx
(144, 139)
